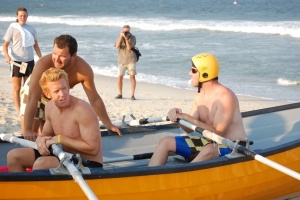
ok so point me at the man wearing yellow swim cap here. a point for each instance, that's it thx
(215, 108)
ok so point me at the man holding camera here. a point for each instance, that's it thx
(126, 60)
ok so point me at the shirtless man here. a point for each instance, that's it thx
(215, 108)
(70, 122)
(64, 56)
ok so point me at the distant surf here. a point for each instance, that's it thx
(285, 82)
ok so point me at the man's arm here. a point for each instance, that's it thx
(96, 101)
(31, 108)
(130, 42)
(34, 96)
(47, 132)
(225, 113)
(119, 40)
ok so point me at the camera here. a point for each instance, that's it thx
(127, 33)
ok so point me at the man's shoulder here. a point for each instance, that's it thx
(44, 63)
(82, 66)
(81, 106)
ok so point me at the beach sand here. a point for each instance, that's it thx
(152, 100)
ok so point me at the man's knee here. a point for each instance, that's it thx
(38, 164)
(13, 156)
(168, 143)
(209, 152)
(45, 162)
(17, 157)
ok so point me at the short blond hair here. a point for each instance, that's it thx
(52, 75)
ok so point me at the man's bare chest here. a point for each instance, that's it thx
(65, 125)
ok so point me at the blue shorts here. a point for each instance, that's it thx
(190, 146)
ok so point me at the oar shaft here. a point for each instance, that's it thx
(74, 172)
(219, 139)
(142, 121)
(13, 139)
(277, 166)
(127, 158)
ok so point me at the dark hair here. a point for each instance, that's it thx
(21, 9)
(63, 41)
(126, 26)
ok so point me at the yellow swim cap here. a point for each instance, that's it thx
(207, 66)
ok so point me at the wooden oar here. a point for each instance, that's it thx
(61, 155)
(136, 122)
(240, 149)
(26, 143)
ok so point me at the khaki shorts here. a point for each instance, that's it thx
(40, 113)
(131, 68)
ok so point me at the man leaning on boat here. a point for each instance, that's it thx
(70, 121)
(215, 108)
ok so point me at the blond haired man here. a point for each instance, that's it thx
(70, 121)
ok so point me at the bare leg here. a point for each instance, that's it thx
(161, 153)
(16, 92)
(209, 152)
(133, 84)
(45, 162)
(20, 159)
(120, 84)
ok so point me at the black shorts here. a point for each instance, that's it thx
(15, 70)
(85, 162)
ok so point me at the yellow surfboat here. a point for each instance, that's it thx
(275, 132)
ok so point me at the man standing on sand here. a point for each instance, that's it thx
(64, 56)
(126, 60)
(70, 122)
(215, 108)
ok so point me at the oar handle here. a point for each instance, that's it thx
(153, 120)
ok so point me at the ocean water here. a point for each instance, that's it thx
(257, 42)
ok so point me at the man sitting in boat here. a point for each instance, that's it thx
(70, 121)
(215, 108)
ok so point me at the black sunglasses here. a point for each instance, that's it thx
(194, 70)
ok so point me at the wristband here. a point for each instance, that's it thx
(58, 139)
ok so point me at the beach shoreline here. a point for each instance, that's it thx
(153, 100)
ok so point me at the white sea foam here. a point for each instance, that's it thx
(285, 82)
(290, 28)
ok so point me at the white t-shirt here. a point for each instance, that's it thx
(18, 51)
